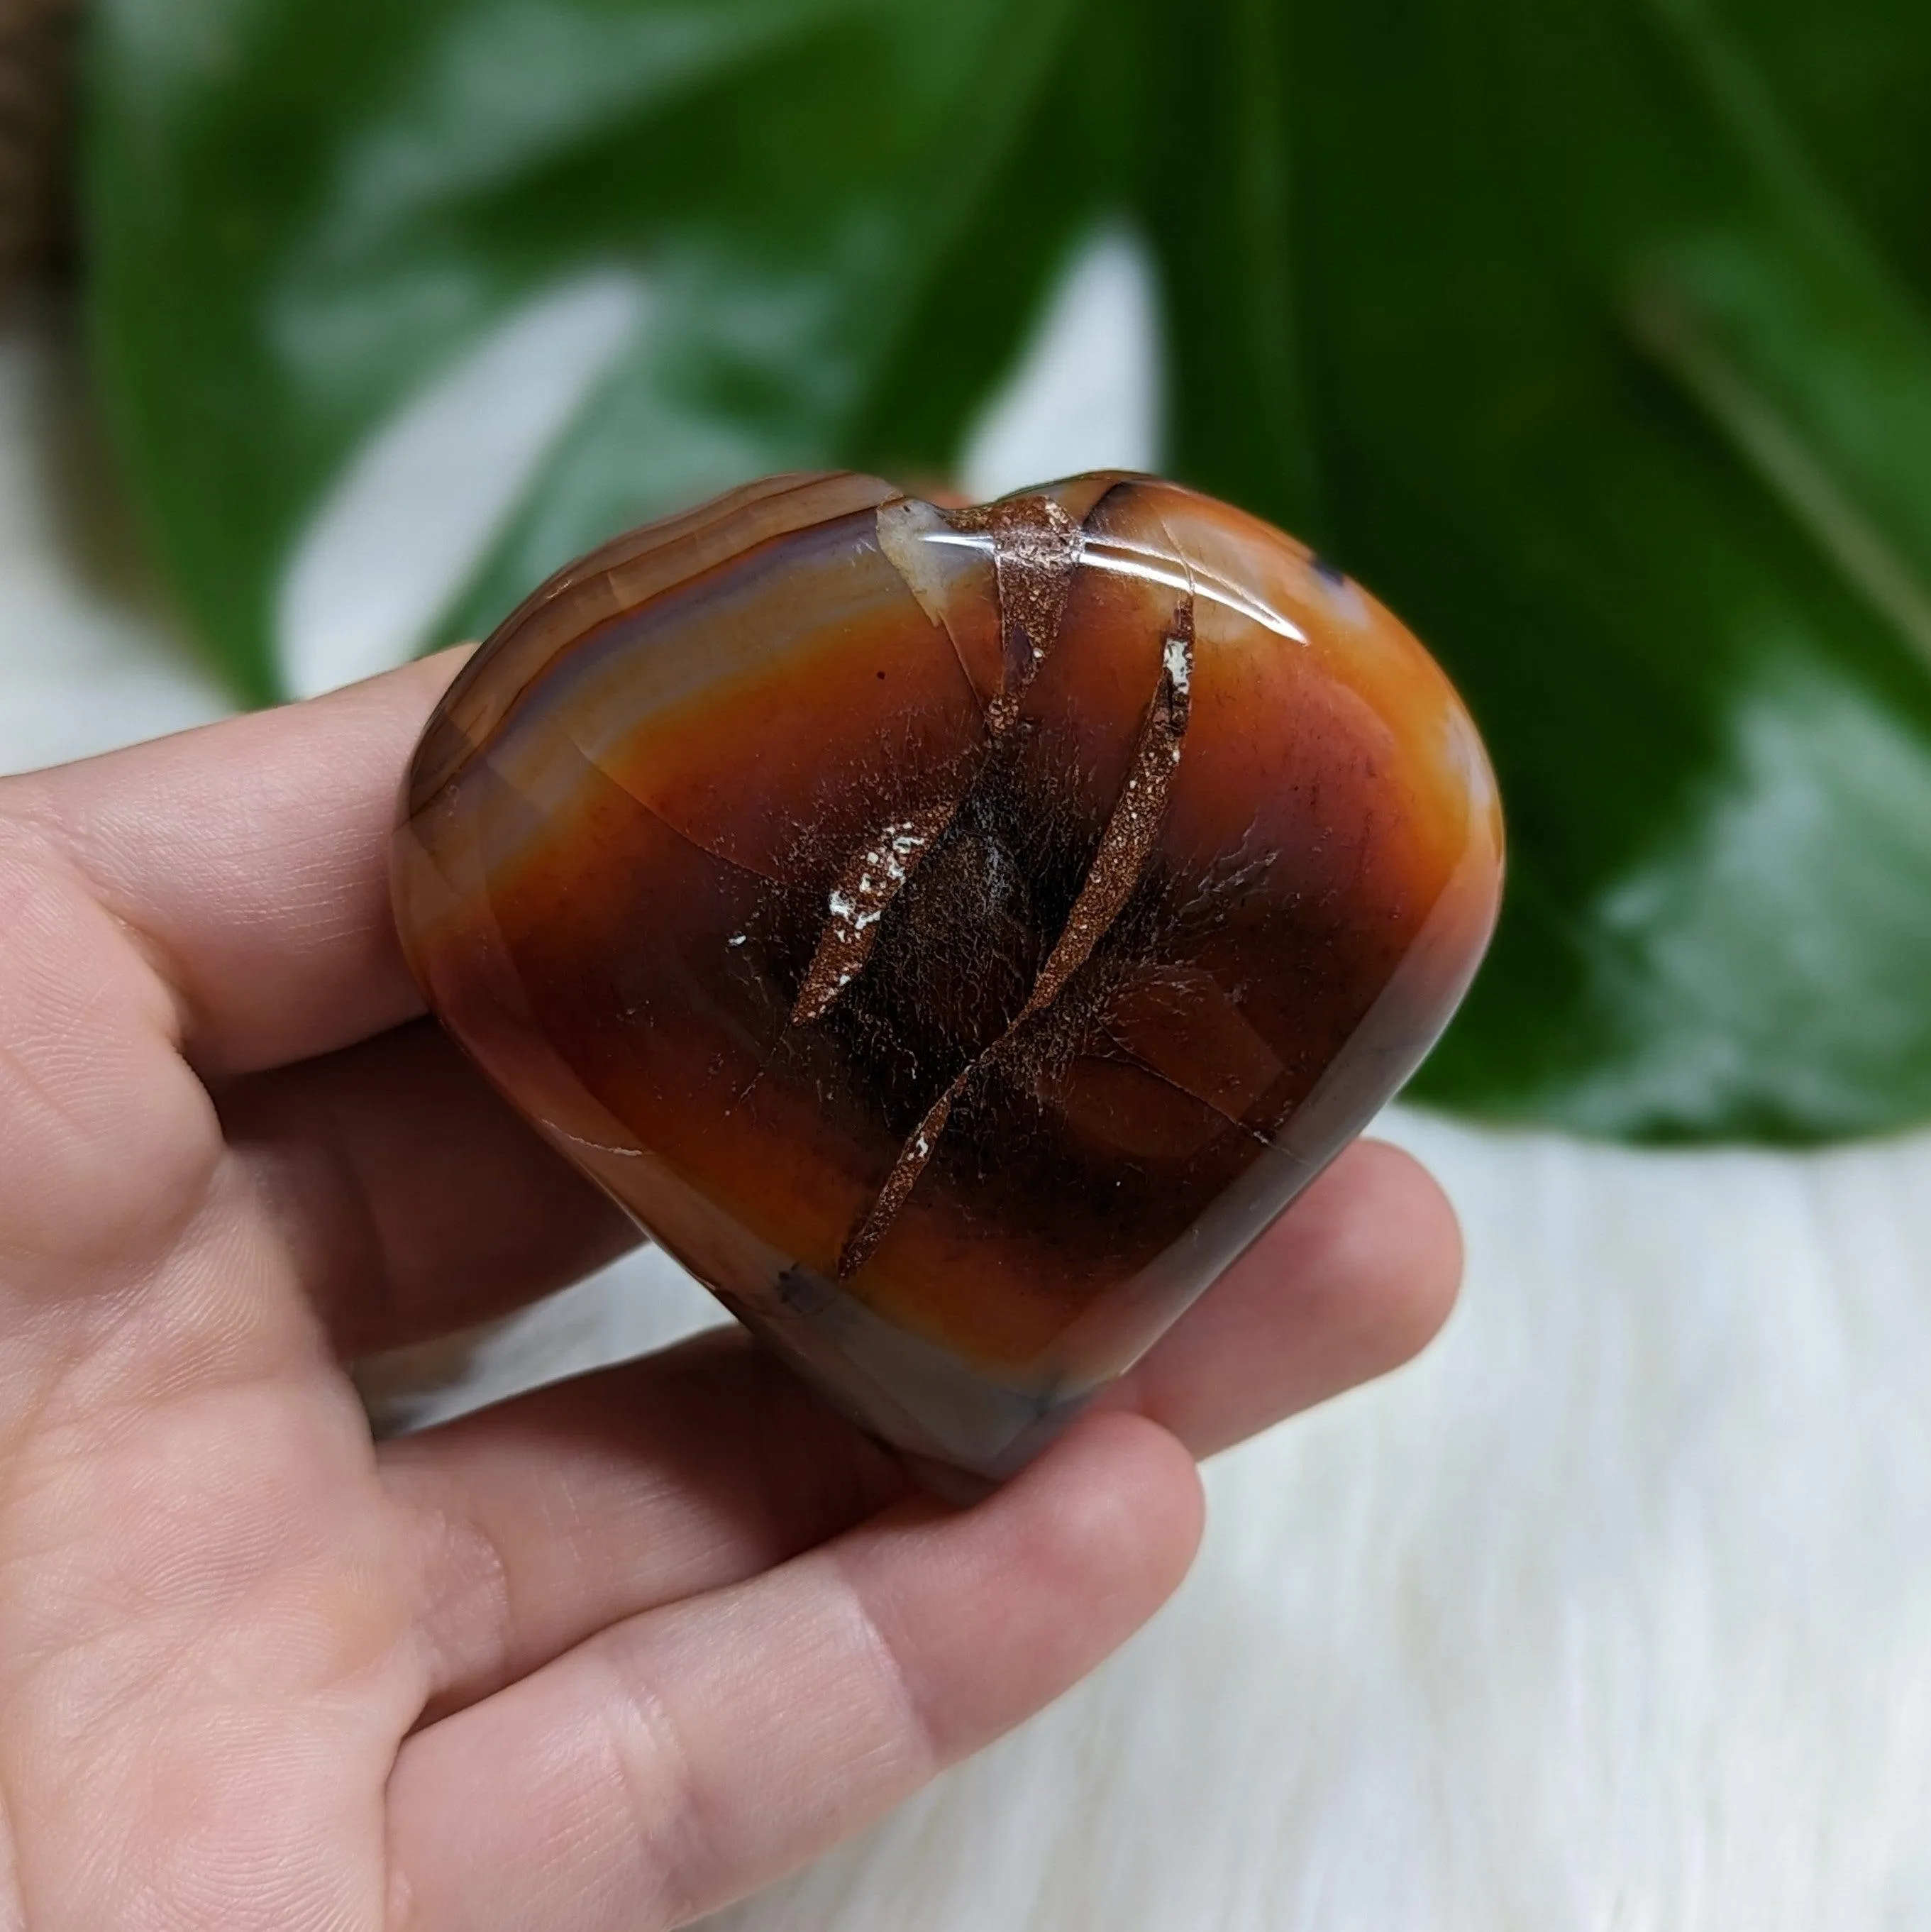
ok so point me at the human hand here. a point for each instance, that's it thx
(596, 1660)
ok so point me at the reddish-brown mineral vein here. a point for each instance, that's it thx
(1118, 864)
(1036, 549)
(872, 878)
(1036, 545)
(1134, 823)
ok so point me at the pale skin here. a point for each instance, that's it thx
(598, 1660)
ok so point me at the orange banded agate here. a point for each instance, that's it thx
(954, 935)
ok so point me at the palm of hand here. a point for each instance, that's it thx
(602, 1657)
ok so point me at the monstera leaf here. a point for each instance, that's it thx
(1593, 336)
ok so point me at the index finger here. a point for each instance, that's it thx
(250, 861)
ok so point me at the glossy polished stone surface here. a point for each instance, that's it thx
(955, 934)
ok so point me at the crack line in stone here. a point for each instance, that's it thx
(677, 831)
(907, 529)
(1118, 864)
(1125, 1056)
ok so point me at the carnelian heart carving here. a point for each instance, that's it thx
(955, 934)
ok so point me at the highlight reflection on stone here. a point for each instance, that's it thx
(955, 934)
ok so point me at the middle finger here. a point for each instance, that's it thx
(554, 1514)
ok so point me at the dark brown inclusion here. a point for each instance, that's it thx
(955, 934)
(1118, 863)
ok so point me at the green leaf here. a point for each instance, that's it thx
(300, 215)
(1593, 336)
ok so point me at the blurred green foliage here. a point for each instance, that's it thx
(1592, 335)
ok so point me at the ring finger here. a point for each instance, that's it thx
(552, 1516)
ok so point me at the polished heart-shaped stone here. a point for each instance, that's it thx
(954, 934)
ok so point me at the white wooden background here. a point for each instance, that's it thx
(1613, 1613)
